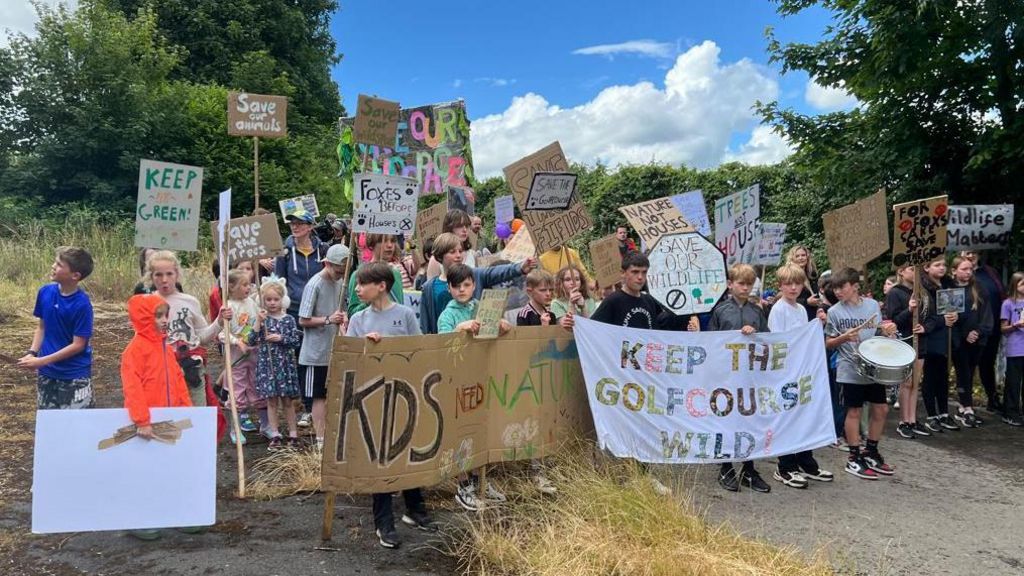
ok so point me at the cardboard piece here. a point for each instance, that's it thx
(857, 233)
(549, 229)
(489, 311)
(737, 220)
(691, 205)
(384, 204)
(979, 227)
(461, 198)
(250, 237)
(770, 240)
(167, 212)
(520, 246)
(504, 209)
(653, 219)
(293, 205)
(606, 260)
(257, 115)
(919, 231)
(951, 301)
(412, 411)
(688, 273)
(430, 222)
(376, 121)
(179, 490)
(551, 191)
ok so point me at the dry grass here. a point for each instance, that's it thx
(286, 473)
(608, 520)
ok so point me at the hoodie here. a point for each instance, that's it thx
(297, 269)
(149, 370)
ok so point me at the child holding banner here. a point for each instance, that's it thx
(244, 327)
(383, 318)
(737, 312)
(935, 330)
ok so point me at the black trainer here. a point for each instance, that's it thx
(1013, 421)
(919, 429)
(729, 480)
(932, 424)
(905, 430)
(419, 520)
(947, 423)
(754, 481)
(388, 537)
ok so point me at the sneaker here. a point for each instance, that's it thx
(192, 529)
(306, 420)
(754, 481)
(247, 425)
(860, 469)
(919, 429)
(896, 405)
(388, 538)
(841, 445)
(875, 462)
(493, 494)
(932, 424)
(544, 485)
(947, 423)
(659, 488)
(267, 433)
(276, 444)
(820, 475)
(975, 420)
(231, 434)
(419, 520)
(466, 496)
(145, 535)
(729, 480)
(966, 419)
(791, 479)
(905, 430)
(294, 442)
(1013, 421)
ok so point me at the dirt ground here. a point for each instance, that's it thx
(952, 508)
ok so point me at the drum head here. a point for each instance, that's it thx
(886, 352)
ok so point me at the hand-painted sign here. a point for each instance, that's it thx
(655, 218)
(489, 311)
(688, 273)
(504, 209)
(520, 246)
(384, 204)
(551, 191)
(770, 240)
(376, 121)
(257, 115)
(430, 222)
(919, 234)
(293, 205)
(980, 227)
(695, 212)
(857, 233)
(737, 219)
(167, 213)
(249, 238)
(606, 260)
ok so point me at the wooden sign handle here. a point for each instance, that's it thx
(325, 532)
(231, 385)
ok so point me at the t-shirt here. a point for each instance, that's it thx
(319, 299)
(244, 314)
(397, 320)
(64, 317)
(186, 321)
(622, 309)
(842, 317)
(1011, 312)
(785, 316)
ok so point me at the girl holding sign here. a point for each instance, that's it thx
(973, 335)
(934, 330)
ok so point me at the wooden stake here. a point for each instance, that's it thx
(325, 532)
(256, 169)
(230, 382)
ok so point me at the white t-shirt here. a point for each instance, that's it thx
(186, 321)
(785, 316)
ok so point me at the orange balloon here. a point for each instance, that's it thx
(516, 225)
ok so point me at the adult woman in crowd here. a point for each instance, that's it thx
(801, 256)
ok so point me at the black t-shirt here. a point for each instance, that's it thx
(528, 316)
(621, 309)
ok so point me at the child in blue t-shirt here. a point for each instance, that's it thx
(60, 350)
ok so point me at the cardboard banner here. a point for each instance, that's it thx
(655, 218)
(770, 240)
(430, 222)
(551, 191)
(167, 212)
(550, 229)
(182, 491)
(489, 311)
(688, 273)
(519, 247)
(461, 198)
(504, 209)
(691, 205)
(292, 205)
(384, 204)
(979, 227)
(706, 397)
(257, 115)
(407, 412)
(857, 233)
(919, 231)
(249, 238)
(737, 220)
(376, 121)
(431, 146)
(606, 260)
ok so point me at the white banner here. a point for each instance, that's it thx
(979, 227)
(700, 398)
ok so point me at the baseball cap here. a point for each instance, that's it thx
(301, 215)
(337, 254)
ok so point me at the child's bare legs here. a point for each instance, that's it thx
(852, 426)
(876, 423)
(289, 416)
(272, 416)
(319, 417)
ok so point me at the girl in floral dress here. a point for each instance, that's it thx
(277, 377)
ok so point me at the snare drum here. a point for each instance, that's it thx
(884, 360)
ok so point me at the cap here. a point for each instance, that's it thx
(301, 215)
(337, 254)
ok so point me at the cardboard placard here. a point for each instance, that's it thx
(688, 273)
(549, 229)
(519, 247)
(432, 146)
(489, 311)
(257, 115)
(167, 211)
(857, 233)
(979, 227)
(951, 301)
(383, 204)
(292, 205)
(653, 219)
(551, 191)
(376, 121)
(770, 240)
(412, 301)
(691, 205)
(462, 198)
(406, 412)
(606, 260)
(430, 222)
(504, 209)
(737, 220)
(249, 238)
(919, 231)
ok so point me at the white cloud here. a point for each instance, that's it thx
(19, 16)
(763, 147)
(828, 99)
(496, 82)
(690, 120)
(648, 48)
(457, 83)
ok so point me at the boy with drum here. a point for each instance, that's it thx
(853, 319)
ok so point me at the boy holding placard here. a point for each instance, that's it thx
(460, 313)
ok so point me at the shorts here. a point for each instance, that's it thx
(54, 394)
(314, 380)
(855, 395)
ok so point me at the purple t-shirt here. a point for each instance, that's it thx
(1014, 339)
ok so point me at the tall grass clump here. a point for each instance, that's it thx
(286, 473)
(609, 520)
